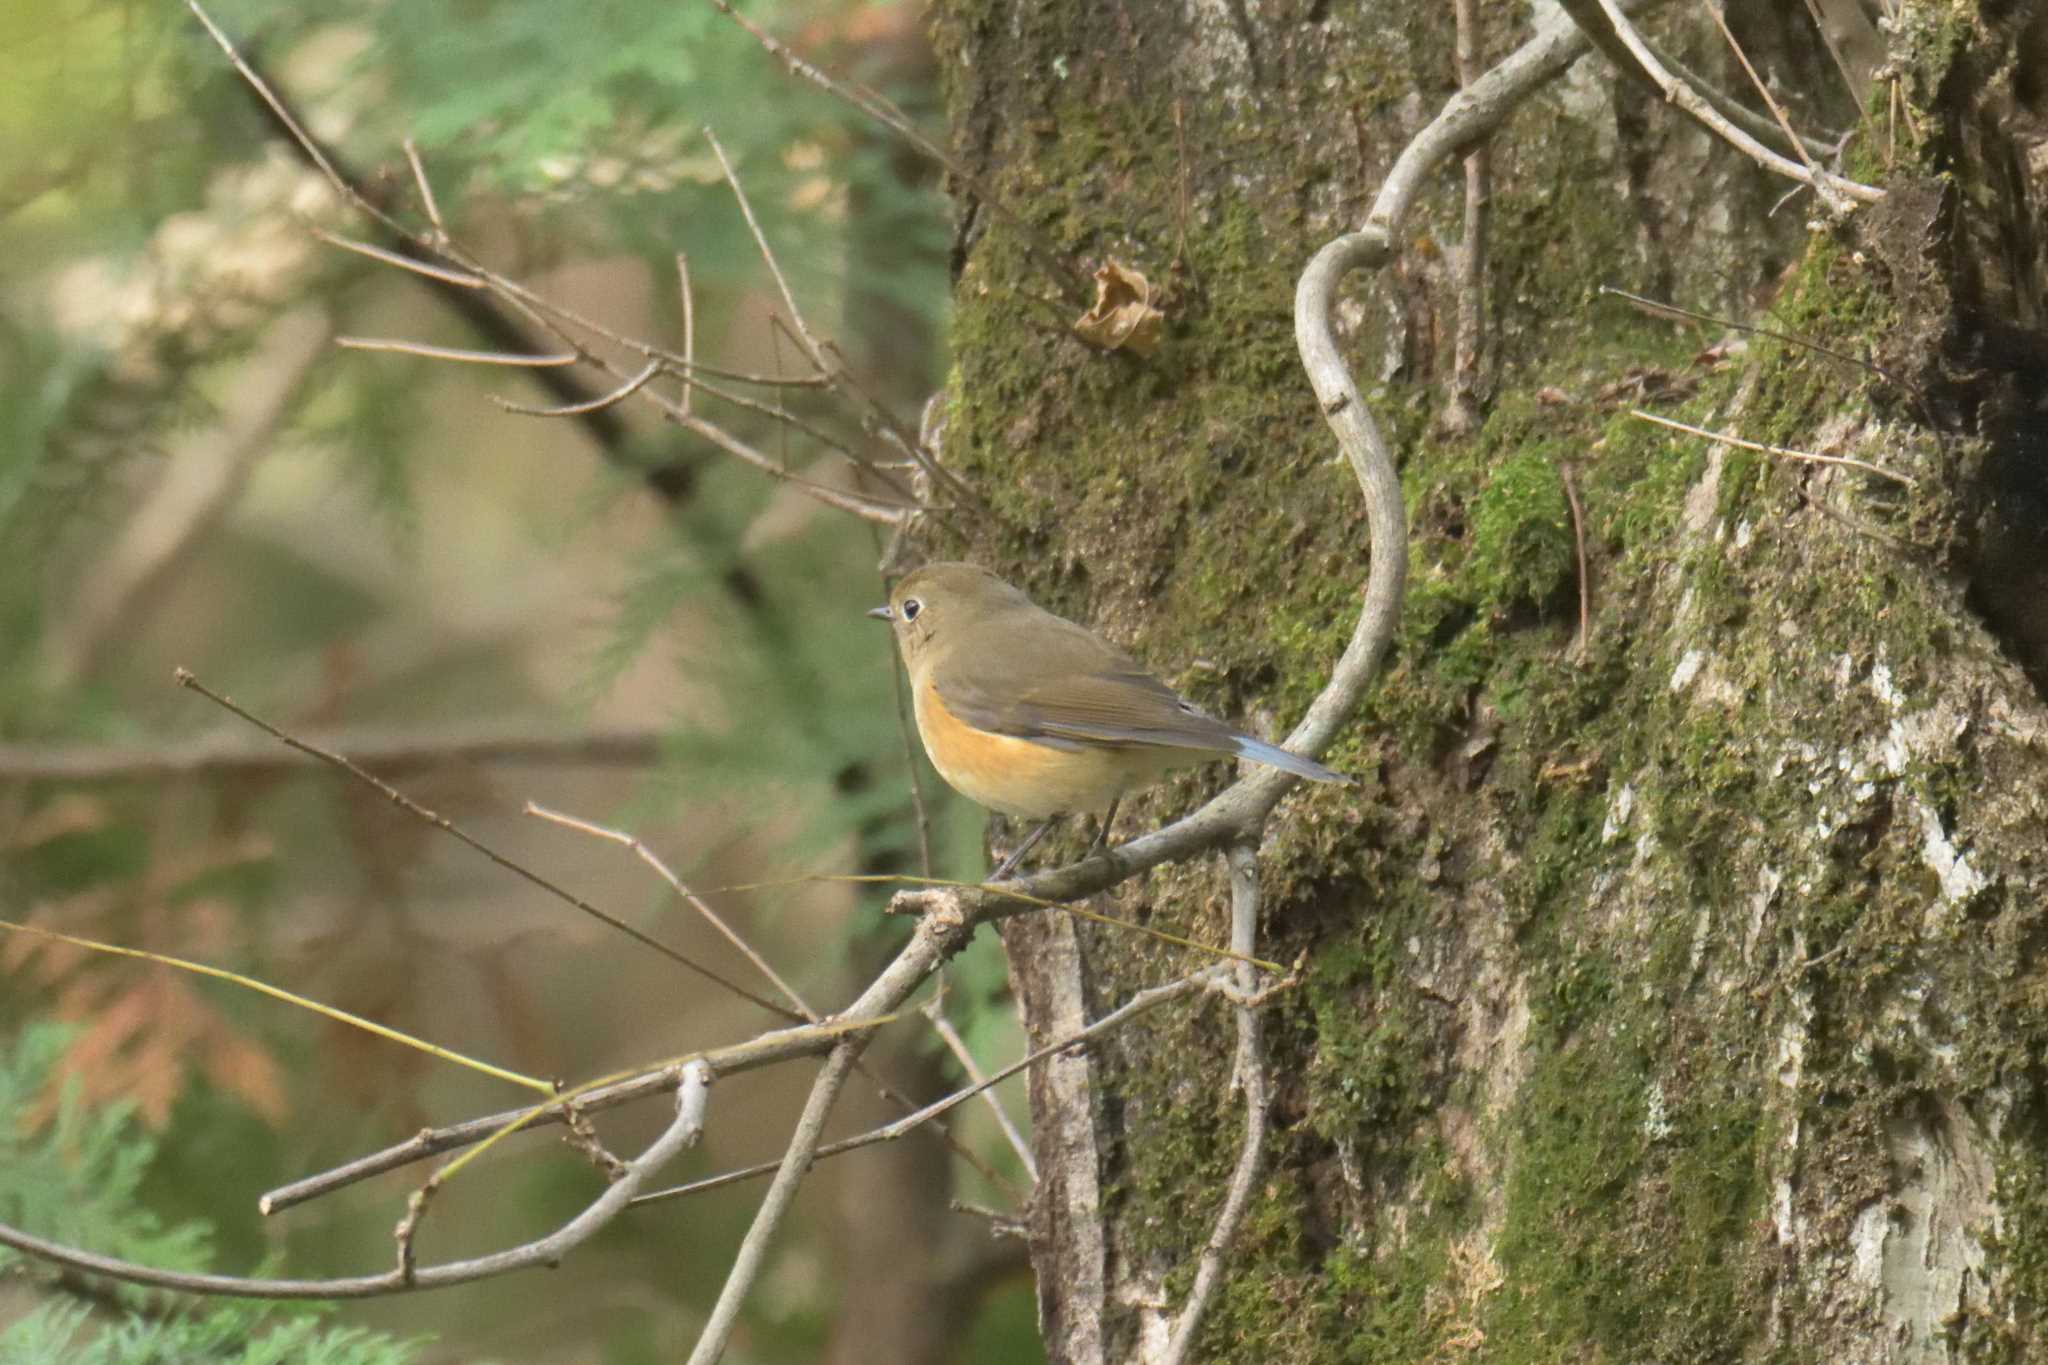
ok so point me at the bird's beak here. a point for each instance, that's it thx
(882, 613)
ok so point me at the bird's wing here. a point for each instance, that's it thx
(1076, 709)
(1074, 690)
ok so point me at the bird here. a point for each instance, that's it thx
(1032, 715)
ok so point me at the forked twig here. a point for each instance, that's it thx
(1138, 1004)
(796, 1163)
(682, 1132)
(448, 263)
(768, 1049)
(449, 827)
(688, 897)
(823, 356)
(1682, 94)
(935, 1011)
(1813, 170)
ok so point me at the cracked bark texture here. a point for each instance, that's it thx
(1680, 1002)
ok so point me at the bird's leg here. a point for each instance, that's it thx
(1009, 864)
(1102, 834)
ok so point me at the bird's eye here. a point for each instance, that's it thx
(911, 607)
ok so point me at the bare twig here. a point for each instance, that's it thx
(457, 353)
(425, 187)
(449, 827)
(1688, 99)
(461, 279)
(682, 1132)
(689, 897)
(1806, 455)
(796, 1163)
(1906, 387)
(689, 302)
(824, 357)
(781, 1045)
(1757, 125)
(1250, 1071)
(261, 987)
(1144, 1000)
(598, 404)
(284, 116)
(563, 323)
(1827, 38)
(935, 1011)
(1813, 170)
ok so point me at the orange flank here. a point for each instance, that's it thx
(1027, 778)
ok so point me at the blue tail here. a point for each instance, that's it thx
(1261, 752)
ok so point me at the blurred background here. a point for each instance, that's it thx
(364, 548)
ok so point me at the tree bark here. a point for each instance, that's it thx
(1672, 997)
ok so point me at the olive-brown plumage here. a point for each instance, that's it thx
(1029, 714)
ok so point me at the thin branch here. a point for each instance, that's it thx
(1813, 170)
(1912, 393)
(1686, 98)
(935, 1011)
(739, 193)
(550, 317)
(457, 353)
(824, 357)
(1806, 455)
(461, 279)
(780, 1045)
(1741, 115)
(230, 755)
(598, 404)
(250, 983)
(1139, 1003)
(689, 897)
(449, 827)
(682, 1132)
(1250, 1071)
(1827, 39)
(796, 1163)
(284, 116)
(425, 187)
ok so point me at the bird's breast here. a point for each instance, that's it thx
(1023, 777)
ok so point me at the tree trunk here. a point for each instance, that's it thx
(1672, 993)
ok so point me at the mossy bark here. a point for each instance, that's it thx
(1672, 993)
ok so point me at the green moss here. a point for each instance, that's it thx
(1626, 1208)
(1189, 503)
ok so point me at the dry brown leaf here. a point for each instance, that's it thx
(1123, 317)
